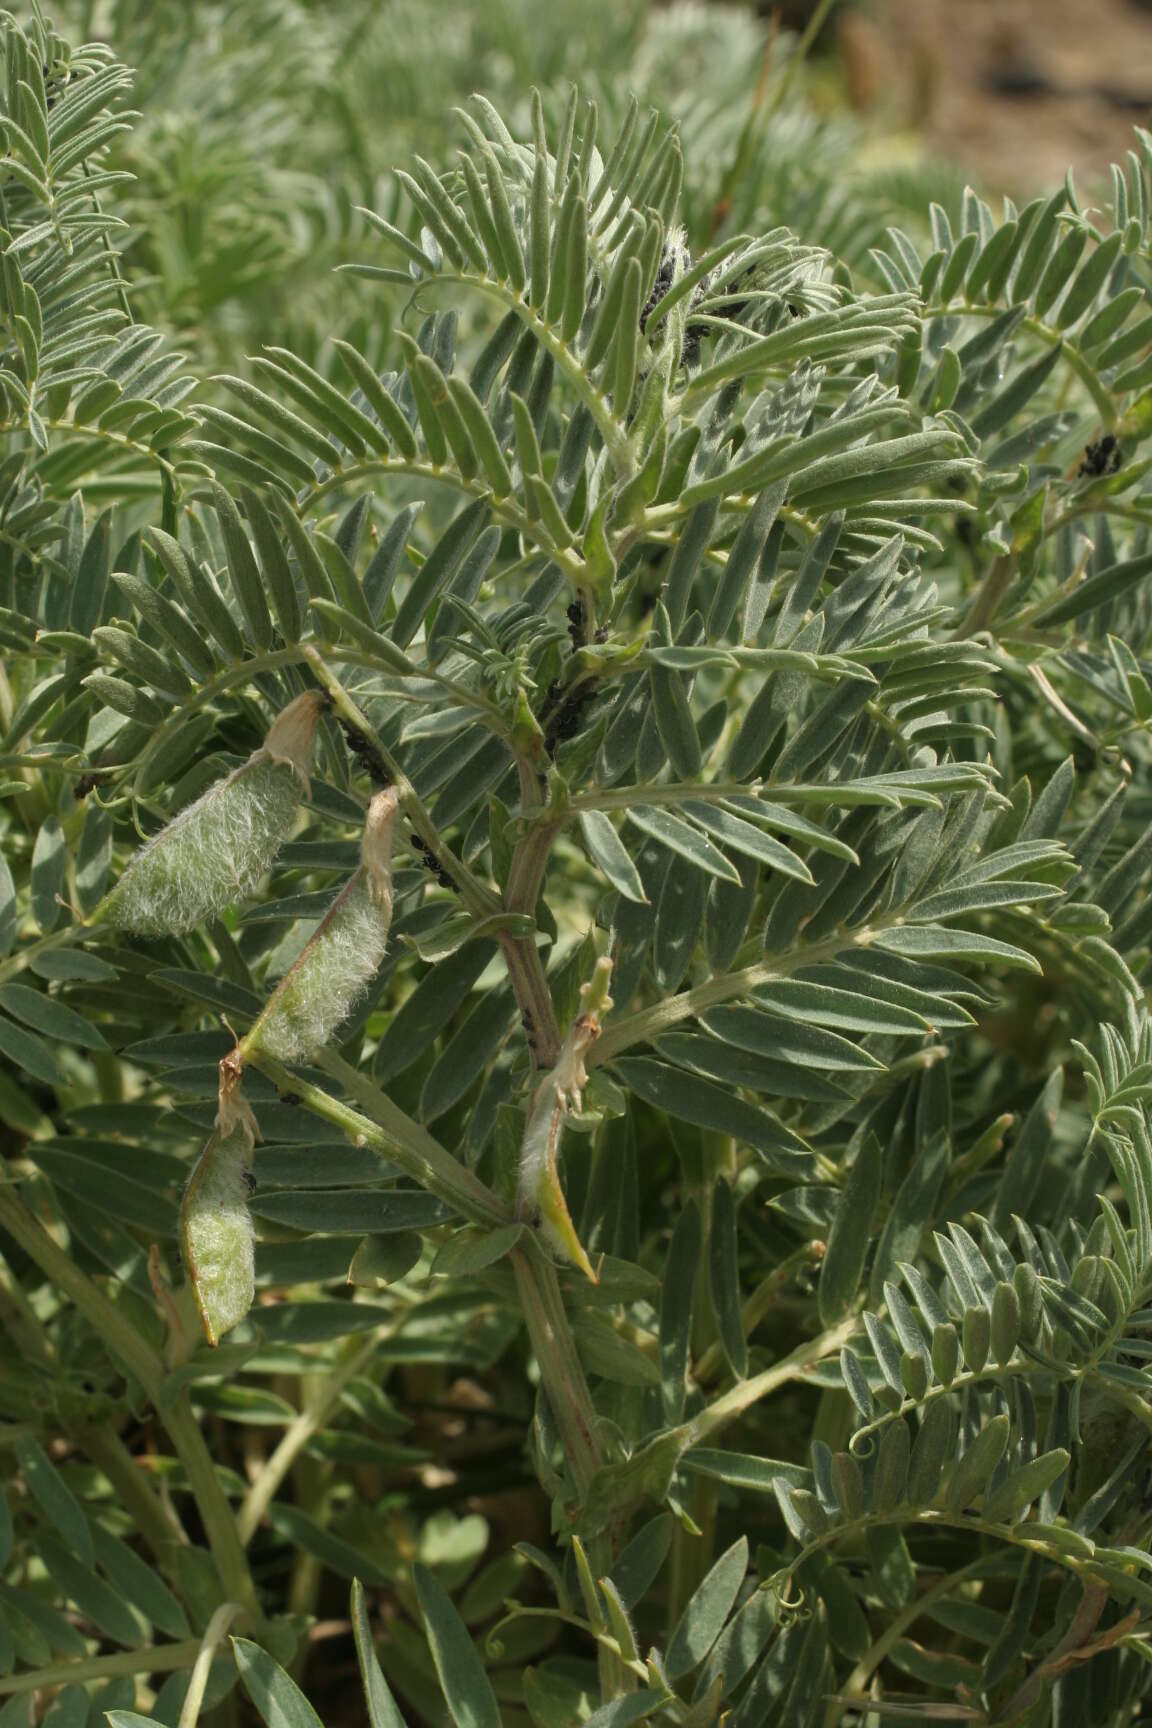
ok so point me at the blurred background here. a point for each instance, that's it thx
(265, 122)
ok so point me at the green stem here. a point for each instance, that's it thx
(615, 436)
(801, 51)
(197, 1685)
(1102, 398)
(154, 1659)
(649, 1023)
(892, 1634)
(478, 899)
(298, 1433)
(521, 955)
(757, 1305)
(736, 1402)
(386, 1128)
(988, 596)
(560, 1368)
(156, 1522)
(534, 532)
(146, 1366)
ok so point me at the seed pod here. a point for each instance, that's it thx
(318, 991)
(216, 1234)
(216, 851)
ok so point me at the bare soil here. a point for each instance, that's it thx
(1009, 91)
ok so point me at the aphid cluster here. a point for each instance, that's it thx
(563, 712)
(577, 624)
(1103, 456)
(675, 260)
(431, 863)
(87, 784)
(365, 755)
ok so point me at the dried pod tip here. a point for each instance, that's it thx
(290, 735)
(233, 1111)
(376, 846)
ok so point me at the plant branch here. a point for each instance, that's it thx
(476, 897)
(145, 1365)
(386, 1128)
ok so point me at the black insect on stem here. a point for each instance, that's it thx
(562, 712)
(87, 784)
(1102, 456)
(365, 754)
(577, 624)
(431, 862)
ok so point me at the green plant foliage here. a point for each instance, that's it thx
(664, 1005)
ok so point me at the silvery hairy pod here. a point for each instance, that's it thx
(336, 966)
(216, 1234)
(216, 851)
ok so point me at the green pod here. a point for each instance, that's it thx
(318, 991)
(216, 851)
(216, 1234)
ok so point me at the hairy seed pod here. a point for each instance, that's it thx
(317, 993)
(216, 1235)
(216, 851)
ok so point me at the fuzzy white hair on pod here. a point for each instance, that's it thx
(216, 1234)
(319, 991)
(216, 851)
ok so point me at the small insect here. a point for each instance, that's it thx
(249, 1181)
(1104, 456)
(289, 1097)
(562, 712)
(366, 755)
(430, 862)
(676, 259)
(86, 784)
(577, 624)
